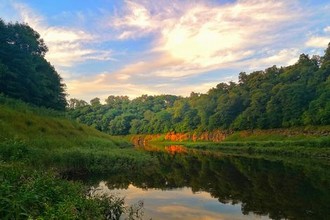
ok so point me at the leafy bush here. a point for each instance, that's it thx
(26, 193)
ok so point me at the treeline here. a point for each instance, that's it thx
(283, 97)
(24, 72)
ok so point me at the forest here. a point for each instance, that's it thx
(277, 97)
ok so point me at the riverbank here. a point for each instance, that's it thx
(301, 141)
(39, 151)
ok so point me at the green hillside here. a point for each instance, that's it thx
(40, 148)
(45, 128)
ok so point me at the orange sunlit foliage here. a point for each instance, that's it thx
(215, 136)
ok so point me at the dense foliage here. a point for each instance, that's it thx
(30, 194)
(24, 72)
(283, 97)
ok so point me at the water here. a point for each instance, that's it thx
(194, 184)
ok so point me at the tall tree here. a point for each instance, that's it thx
(24, 72)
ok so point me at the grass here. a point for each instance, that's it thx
(39, 148)
(297, 134)
(293, 142)
(66, 145)
(28, 194)
(289, 149)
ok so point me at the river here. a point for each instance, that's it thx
(199, 184)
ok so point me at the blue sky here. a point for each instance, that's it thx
(135, 47)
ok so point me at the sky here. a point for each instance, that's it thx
(136, 47)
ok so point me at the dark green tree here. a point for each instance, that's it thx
(24, 72)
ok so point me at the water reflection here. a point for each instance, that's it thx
(181, 204)
(175, 149)
(279, 189)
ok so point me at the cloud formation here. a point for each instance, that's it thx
(174, 46)
(66, 45)
(191, 38)
(199, 37)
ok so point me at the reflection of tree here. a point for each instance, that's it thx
(264, 187)
(175, 149)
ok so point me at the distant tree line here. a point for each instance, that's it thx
(295, 95)
(24, 72)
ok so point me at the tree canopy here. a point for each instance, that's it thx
(295, 95)
(24, 72)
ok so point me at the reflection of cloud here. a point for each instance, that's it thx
(182, 204)
(66, 45)
(133, 193)
(183, 212)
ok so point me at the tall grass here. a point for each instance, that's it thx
(30, 194)
(38, 147)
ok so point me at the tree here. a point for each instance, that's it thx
(25, 73)
(326, 58)
(273, 98)
(76, 103)
(95, 101)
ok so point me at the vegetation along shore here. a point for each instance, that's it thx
(48, 142)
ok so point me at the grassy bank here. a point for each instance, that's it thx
(264, 148)
(301, 141)
(39, 148)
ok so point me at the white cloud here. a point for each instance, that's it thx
(187, 38)
(326, 29)
(134, 85)
(99, 86)
(283, 57)
(66, 45)
(318, 42)
(211, 36)
(202, 37)
(191, 39)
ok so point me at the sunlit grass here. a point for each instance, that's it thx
(38, 147)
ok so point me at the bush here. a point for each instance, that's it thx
(26, 193)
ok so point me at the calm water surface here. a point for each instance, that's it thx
(196, 184)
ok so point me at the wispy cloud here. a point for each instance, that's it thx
(174, 46)
(283, 57)
(98, 86)
(105, 84)
(203, 37)
(66, 45)
(319, 36)
(194, 37)
(319, 42)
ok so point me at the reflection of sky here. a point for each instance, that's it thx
(180, 204)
